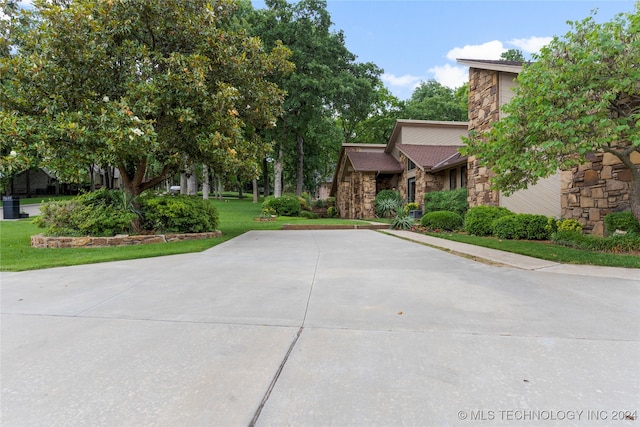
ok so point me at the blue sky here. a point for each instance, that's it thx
(419, 40)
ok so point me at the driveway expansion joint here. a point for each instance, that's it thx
(264, 400)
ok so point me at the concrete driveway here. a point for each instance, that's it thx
(317, 328)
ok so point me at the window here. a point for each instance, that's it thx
(452, 179)
(410, 165)
(411, 190)
(463, 176)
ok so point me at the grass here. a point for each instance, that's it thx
(236, 217)
(547, 251)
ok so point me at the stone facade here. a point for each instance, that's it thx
(484, 109)
(40, 241)
(588, 192)
(366, 169)
(591, 191)
(425, 181)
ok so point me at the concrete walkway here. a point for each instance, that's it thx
(515, 260)
(315, 328)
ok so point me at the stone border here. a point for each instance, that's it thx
(335, 227)
(40, 241)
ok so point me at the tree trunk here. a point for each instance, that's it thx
(192, 182)
(265, 177)
(277, 173)
(219, 187)
(634, 197)
(183, 183)
(255, 190)
(107, 177)
(300, 165)
(205, 182)
(240, 194)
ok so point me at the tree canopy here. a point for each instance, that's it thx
(433, 101)
(512, 55)
(144, 85)
(580, 95)
(328, 83)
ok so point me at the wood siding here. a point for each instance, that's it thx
(542, 198)
(432, 135)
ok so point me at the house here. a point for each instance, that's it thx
(35, 181)
(587, 192)
(421, 156)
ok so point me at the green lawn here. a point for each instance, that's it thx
(546, 250)
(237, 217)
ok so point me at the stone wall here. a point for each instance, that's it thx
(363, 195)
(591, 191)
(588, 192)
(484, 109)
(343, 197)
(40, 241)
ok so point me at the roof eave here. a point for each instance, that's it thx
(507, 68)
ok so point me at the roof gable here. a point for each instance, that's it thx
(427, 132)
(427, 157)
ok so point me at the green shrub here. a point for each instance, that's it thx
(624, 221)
(568, 225)
(332, 212)
(508, 227)
(98, 213)
(629, 242)
(521, 226)
(308, 215)
(442, 220)
(320, 203)
(285, 205)
(389, 194)
(386, 208)
(305, 201)
(479, 220)
(388, 203)
(453, 200)
(178, 214)
(402, 222)
(331, 201)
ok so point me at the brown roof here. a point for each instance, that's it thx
(429, 156)
(449, 162)
(369, 162)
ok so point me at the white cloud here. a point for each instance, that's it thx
(488, 50)
(532, 44)
(449, 75)
(401, 86)
(405, 81)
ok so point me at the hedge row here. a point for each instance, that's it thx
(108, 213)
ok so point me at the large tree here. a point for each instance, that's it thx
(327, 83)
(148, 86)
(433, 101)
(377, 127)
(581, 95)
